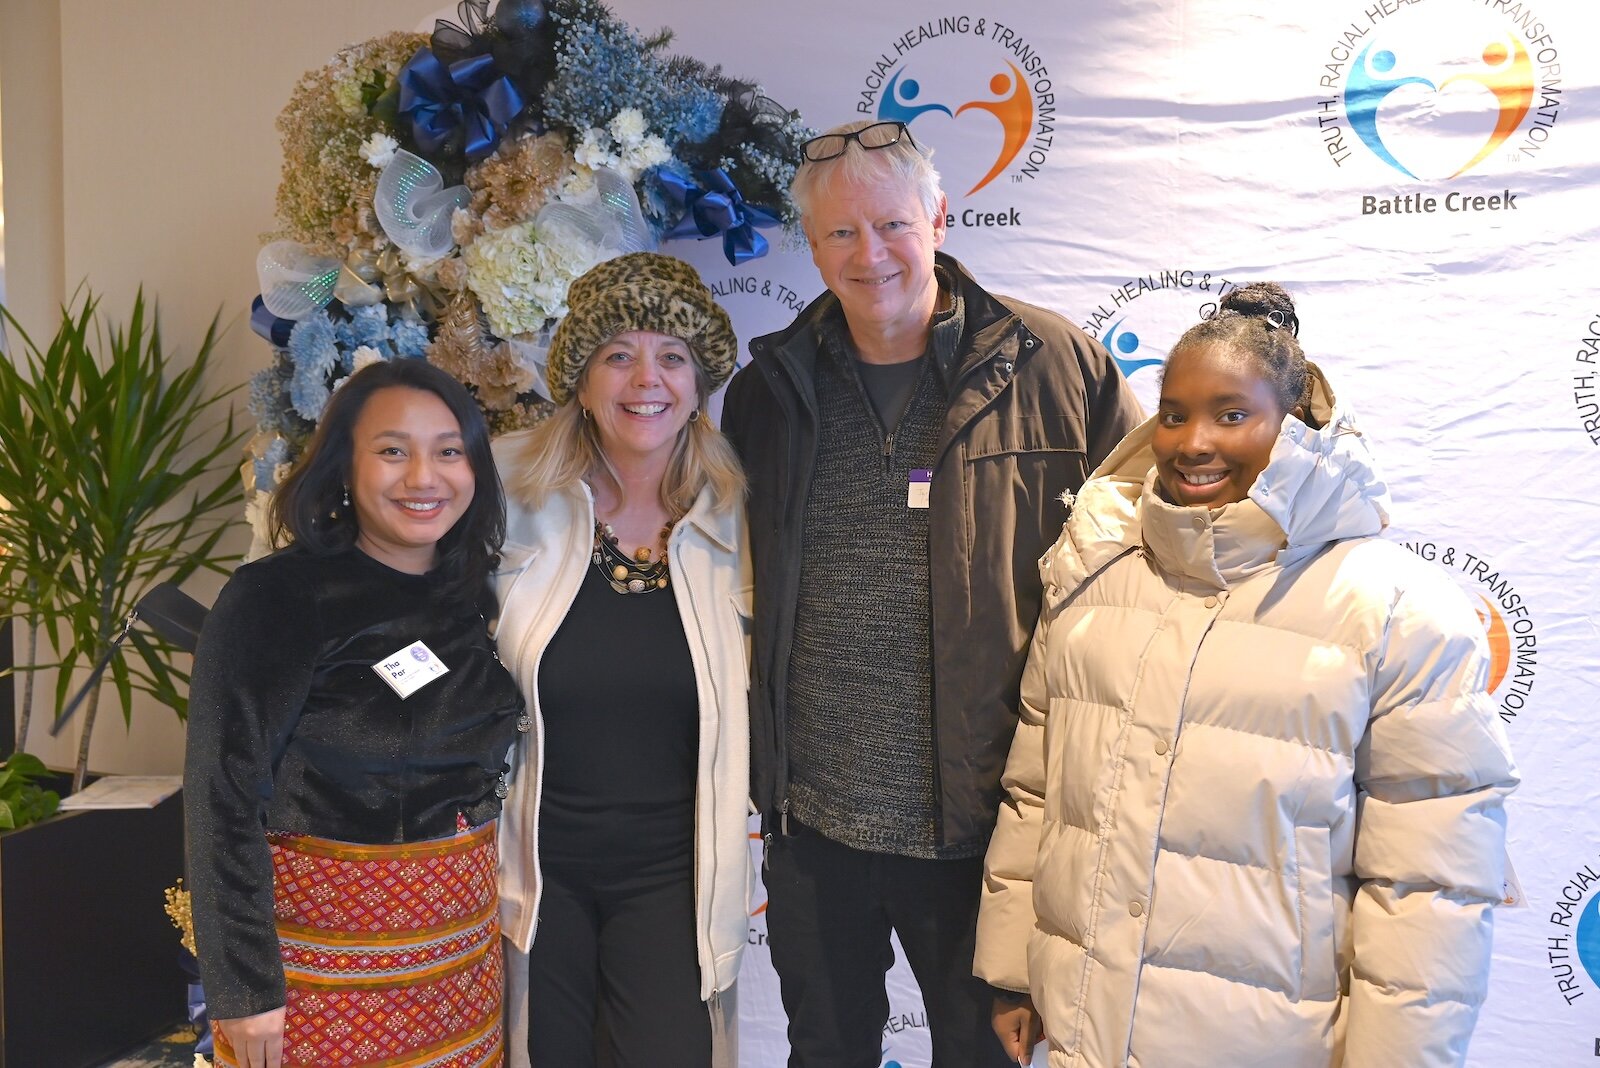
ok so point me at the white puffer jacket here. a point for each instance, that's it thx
(546, 554)
(1255, 813)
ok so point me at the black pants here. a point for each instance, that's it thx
(830, 909)
(613, 976)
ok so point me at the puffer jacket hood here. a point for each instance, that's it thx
(1320, 486)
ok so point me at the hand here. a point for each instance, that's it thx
(257, 1040)
(1019, 1028)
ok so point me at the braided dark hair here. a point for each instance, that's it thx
(1259, 320)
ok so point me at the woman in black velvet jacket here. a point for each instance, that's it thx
(340, 788)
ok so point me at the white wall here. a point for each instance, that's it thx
(140, 150)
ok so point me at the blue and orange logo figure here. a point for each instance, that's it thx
(1494, 628)
(1589, 938)
(1014, 109)
(1509, 78)
(1122, 346)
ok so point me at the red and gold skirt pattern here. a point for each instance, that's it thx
(391, 952)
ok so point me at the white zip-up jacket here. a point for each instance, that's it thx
(542, 565)
(1254, 812)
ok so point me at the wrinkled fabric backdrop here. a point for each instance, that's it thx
(1424, 177)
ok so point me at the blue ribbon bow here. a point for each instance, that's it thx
(470, 97)
(269, 326)
(716, 207)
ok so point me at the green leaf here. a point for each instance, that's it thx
(121, 468)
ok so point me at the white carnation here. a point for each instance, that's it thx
(379, 149)
(627, 127)
(650, 152)
(594, 150)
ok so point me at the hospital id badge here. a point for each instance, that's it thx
(410, 669)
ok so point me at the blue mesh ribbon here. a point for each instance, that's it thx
(714, 206)
(464, 107)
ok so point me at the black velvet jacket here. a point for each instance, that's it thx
(290, 729)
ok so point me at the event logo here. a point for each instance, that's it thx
(1169, 302)
(1123, 344)
(1509, 79)
(1014, 109)
(1507, 624)
(1585, 397)
(973, 85)
(1433, 94)
(1575, 933)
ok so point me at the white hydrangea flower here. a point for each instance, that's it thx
(379, 149)
(521, 274)
(627, 127)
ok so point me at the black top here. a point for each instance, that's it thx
(290, 729)
(621, 715)
(889, 387)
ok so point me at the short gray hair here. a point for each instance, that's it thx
(907, 160)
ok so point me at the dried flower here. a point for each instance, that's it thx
(463, 351)
(513, 184)
(326, 181)
(520, 416)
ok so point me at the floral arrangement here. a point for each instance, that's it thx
(179, 908)
(441, 192)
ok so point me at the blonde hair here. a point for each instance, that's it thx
(565, 449)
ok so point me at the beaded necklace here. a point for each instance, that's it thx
(643, 572)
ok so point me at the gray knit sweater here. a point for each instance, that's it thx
(860, 725)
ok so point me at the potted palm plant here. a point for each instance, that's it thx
(120, 477)
(117, 474)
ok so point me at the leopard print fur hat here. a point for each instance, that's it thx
(640, 291)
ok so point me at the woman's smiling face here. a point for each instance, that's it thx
(640, 389)
(1218, 418)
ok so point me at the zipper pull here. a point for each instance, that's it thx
(783, 817)
(766, 847)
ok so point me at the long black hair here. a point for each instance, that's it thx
(309, 506)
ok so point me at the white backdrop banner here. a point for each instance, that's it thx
(1424, 177)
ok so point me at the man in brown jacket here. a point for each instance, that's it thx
(908, 440)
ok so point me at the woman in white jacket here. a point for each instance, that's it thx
(624, 610)
(1255, 797)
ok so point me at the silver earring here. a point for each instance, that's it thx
(694, 416)
(345, 500)
(585, 412)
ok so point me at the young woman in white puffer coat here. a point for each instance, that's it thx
(1255, 812)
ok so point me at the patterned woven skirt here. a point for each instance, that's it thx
(391, 952)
